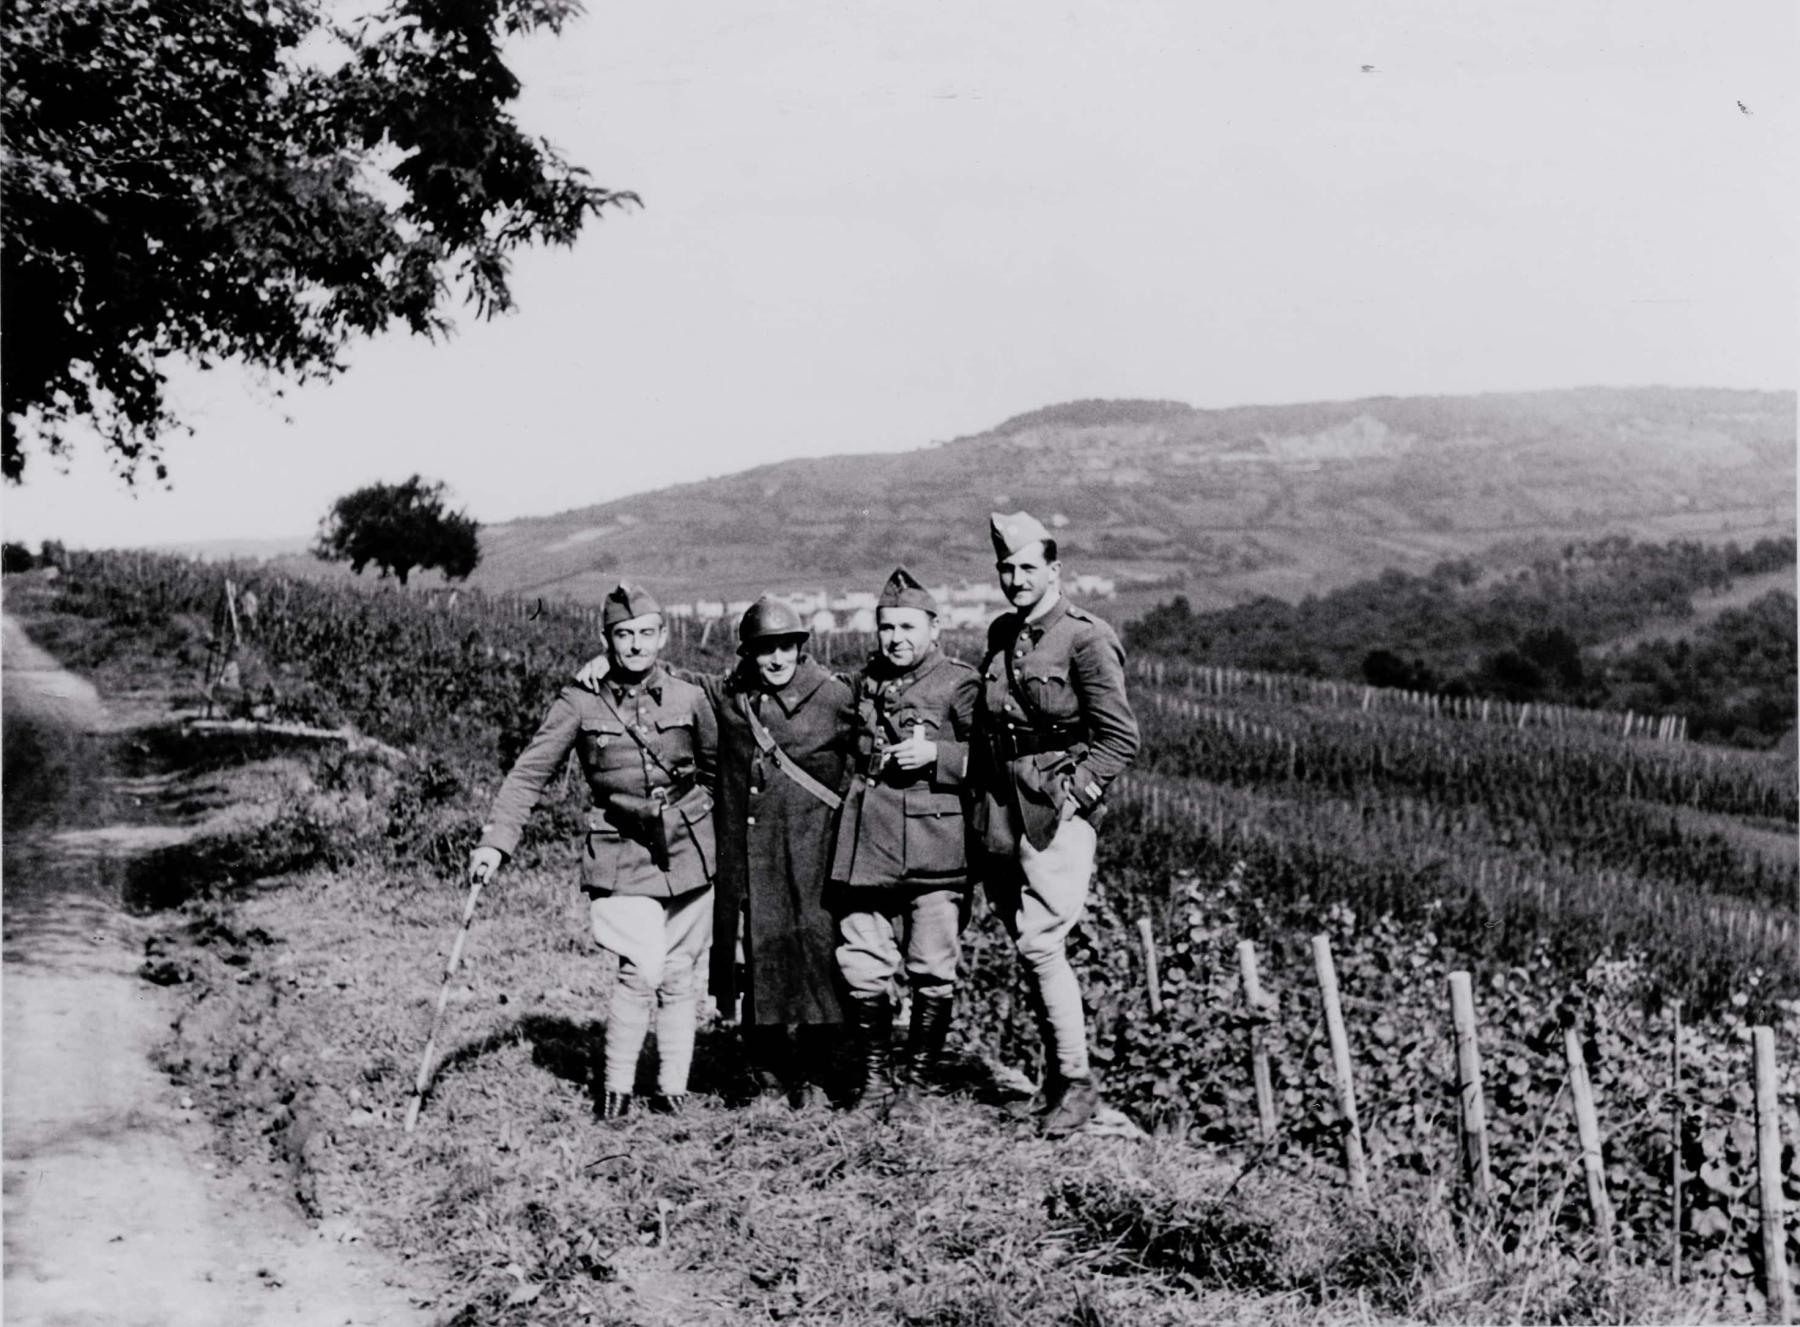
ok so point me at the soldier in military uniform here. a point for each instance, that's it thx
(1054, 727)
(900, 869)
(785, 729)
(648, 744)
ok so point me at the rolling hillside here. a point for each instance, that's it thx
(1217, 504)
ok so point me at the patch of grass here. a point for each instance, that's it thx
(531, 1210)
(1221, 1238)
(1402, 1256)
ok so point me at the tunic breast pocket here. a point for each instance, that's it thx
(602, 745)
(907, 720)
(1051, 692)
(675, 737)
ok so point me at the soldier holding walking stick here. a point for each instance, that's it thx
(648, 745)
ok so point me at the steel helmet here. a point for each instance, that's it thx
(768, 619)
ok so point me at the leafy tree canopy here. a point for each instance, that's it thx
(398, 527)
(248, 180)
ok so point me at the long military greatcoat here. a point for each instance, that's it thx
(774, 843)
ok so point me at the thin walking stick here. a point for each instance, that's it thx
(418, 1094)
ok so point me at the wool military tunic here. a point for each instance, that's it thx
(907, 826)
(675, 720)
(775, 843)
(1069, 735)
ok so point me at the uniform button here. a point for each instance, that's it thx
(749, 820)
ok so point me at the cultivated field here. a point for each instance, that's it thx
(1587, 880)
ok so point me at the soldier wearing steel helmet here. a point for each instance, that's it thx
(786, 726)
(1054, 727)
(900, 873)
(648, 745)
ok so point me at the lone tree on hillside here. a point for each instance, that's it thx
(248, 180)
(399, 527)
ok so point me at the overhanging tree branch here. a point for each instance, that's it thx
(178, 183)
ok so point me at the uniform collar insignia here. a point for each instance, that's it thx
(1038, 626)
(652, 683)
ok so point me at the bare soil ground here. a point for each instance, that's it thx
(118, 1208)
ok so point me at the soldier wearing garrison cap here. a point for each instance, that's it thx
(1053, 729)
(648, 745)
(785, 730)
(900, 870)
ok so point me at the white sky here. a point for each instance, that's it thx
(872, 225)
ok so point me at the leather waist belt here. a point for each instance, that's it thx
(1013, 741)
(634, 806)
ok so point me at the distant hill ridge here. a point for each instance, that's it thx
(1219, 504)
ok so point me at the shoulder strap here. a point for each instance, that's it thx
(783, 761)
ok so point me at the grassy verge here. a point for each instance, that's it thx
(311, 1003)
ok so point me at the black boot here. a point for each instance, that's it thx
(920, 1070)
(874, 1029)
(768, 1059)
(1075, 1103)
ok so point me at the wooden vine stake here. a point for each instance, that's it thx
(1780, 1290)
(1152, 978)
(1587, 1124)
(1468, 1087)
(1675, 1126)
(1260, 1006)
(1354, 1165)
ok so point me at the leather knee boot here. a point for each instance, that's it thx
(923, 1066)
(874, 1031)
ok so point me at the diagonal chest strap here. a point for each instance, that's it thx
(636, 732)
(783, 761)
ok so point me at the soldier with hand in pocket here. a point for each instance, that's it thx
(1053, 729)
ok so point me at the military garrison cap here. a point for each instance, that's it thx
(1011, 532)
(626, 601)
(903, 590)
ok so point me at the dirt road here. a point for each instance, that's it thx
(117, 1211)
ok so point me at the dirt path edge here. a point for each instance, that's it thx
(117, 1208)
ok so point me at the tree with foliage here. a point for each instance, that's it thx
(248, 180)
(398, 527)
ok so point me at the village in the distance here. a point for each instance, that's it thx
(966, 605)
